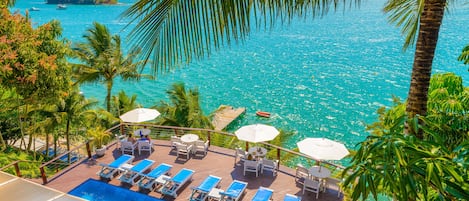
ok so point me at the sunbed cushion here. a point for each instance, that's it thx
(235, 189)
(291, 198)
(158, 171)
(182, 176)
(142, 165)
(263, 194)
(209, 183)
(119, 161)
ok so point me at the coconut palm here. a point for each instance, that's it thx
(103, 60)
(73, 107)
(171, 30)
(123, 103)
(464, 57)
(184, 108)
(422, 17)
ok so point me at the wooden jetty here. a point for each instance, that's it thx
(224, 115)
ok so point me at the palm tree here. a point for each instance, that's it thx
(184, 109)
(73, 108)
(464, 57)
(171, 30)
(422, 17)
(7, 2)
(103, 60)
(123, 103)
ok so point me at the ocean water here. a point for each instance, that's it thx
(319, 78)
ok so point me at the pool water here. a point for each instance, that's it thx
(95, 190)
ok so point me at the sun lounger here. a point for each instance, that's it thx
(234, 191)
(200, 193)
(263, 194)
(173, 184)
(109, 170)
(150, 181)
(290, 197)
(131, 174)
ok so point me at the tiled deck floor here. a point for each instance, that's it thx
(218, 161)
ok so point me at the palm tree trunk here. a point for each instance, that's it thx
(67, 136)
(430, 21)
(108, 96)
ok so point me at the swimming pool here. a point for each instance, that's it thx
(95, 190)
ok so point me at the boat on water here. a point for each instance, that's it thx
(34, 9)
(263, 114)
(61, 6)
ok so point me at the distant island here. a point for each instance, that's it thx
(81, 1)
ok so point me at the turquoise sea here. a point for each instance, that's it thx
(320, 78)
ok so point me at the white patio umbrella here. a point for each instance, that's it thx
(323, 149)
(256, 133)
(139, 115)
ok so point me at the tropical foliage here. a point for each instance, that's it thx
(464, 57)
(34, 70)
(184, 109)
(123, 103)
(38, 98)
(104, 60)
(447, 111)
(99, 136)
(174, 32)
(28, 170)
(406, 168)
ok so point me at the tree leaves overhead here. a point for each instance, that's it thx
(405, 14)
(173, 32)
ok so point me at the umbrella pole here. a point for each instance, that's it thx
(247, 146)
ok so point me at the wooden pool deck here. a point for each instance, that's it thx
(218, 162)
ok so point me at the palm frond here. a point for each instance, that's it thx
(172, 33)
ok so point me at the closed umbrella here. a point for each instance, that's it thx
(139, 115)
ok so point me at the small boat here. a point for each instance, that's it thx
(61, 6)
(34, 9)
(263, 114)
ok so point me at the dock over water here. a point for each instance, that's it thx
(224, 115)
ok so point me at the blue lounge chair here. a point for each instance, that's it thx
(150, 181)
(234, 191)
(131, 174)
(263, 194)
(200, 193)
(109, 170)
(172, 185)
(290, 197)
